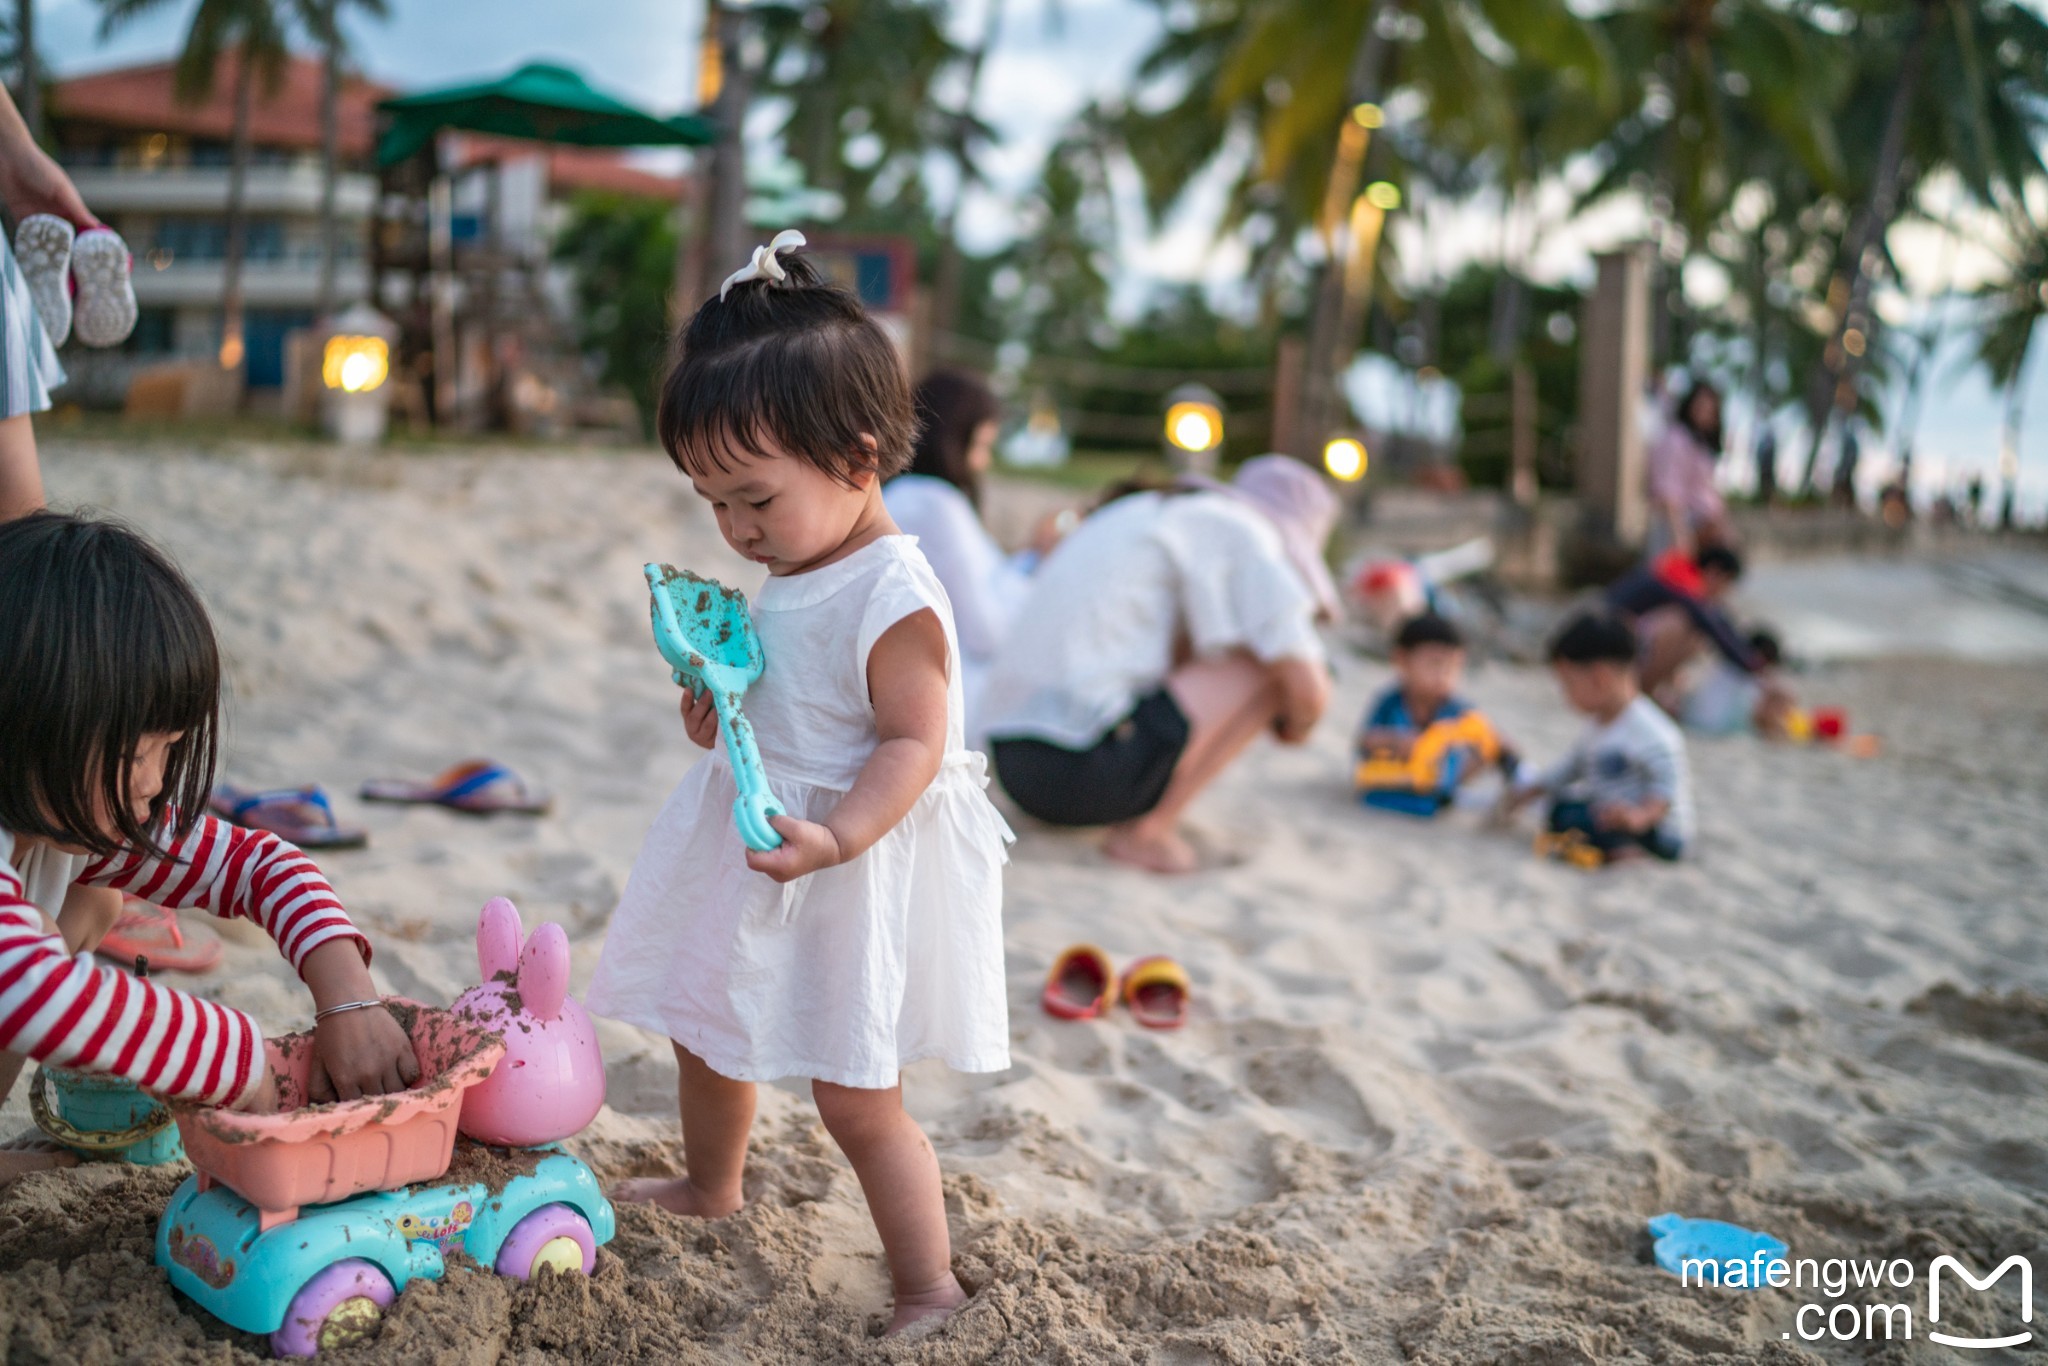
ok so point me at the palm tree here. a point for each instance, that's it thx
(322, 22)
(1285, 78)
(2013, 306)
(253, 30)
(1956, 85)
(967, 133)
(1719, 95)
(858, 76)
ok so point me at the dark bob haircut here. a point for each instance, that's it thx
(1428, 628)
(951, 406)
(102, 642)
(793, 363)
(1709, 434)
(1594, 638)
(1718, 559)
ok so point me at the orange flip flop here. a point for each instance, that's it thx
(147, 930)
(1156, 990)
(1080, 983)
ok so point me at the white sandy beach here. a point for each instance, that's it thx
(1432, 1089)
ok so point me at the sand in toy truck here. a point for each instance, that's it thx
(307, 1224)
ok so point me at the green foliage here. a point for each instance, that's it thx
(321, 19)
(1275, 74)
(1466, 315)
(1062, 258)
(1114, 387)
(859, 77)
(622, 252)
(2013, 302)
(255, 29)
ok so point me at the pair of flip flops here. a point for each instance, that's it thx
(1083, 985)
(145, 930)
(302, 815)
(479, 787)
(80, 281)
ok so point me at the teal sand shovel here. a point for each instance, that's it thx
(702, 629)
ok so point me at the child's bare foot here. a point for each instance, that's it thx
(29, 1153)
(1167, 853)
(935, 1303)
(676, 1195)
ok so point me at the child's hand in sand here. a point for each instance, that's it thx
(1512, 799)
(1633, 820)
(360, 1053)
(700, 718)
(1395, 744)
(262, 1100)
(806, 847)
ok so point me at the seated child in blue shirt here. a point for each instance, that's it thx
(1624, 789)
(1420, 740)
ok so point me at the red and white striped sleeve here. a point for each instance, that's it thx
(231, 871)
(65, 1010)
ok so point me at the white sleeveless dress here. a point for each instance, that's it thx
(851, 972)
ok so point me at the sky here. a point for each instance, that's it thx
(1053, 57)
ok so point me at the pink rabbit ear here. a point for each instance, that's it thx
(544, 972)
(497, 938)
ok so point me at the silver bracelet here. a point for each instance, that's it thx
(320, 1015)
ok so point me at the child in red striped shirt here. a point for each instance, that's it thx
(109, 706)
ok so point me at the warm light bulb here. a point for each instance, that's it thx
(1345, 459)
(1194, 426)
(355, 365)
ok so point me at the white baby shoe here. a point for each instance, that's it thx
(105, 306)
(42, 244)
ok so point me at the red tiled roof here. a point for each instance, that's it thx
(142, 98)
(571, 168)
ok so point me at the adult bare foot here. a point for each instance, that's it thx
(935, 1303)
(676, 1195)
(30, 1153)
(1155, 853)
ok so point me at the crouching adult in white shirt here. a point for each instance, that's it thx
(1163, 635)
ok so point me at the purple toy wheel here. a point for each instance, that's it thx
(552, 1236)
(338, 1307)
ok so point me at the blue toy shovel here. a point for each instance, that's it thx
(702, 629)
(1681, 1240)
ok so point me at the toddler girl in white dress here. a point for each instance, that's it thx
(873, 936)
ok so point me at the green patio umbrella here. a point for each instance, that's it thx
(540, 101)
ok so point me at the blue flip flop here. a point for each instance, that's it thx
(477, 786)
(302, 815)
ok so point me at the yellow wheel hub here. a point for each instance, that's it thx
(350, 1322)
(561, 1254)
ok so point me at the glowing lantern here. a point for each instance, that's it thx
(355, 361)
(1344, 457)
(355, 365)
(1194, 428)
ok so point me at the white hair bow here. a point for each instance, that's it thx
(764, 262)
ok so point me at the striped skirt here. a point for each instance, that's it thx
(28, 363)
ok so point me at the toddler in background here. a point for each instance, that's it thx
(1726, 700)
(1419, 740)
(1624, 789)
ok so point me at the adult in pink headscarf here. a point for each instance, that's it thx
(1163, 635)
